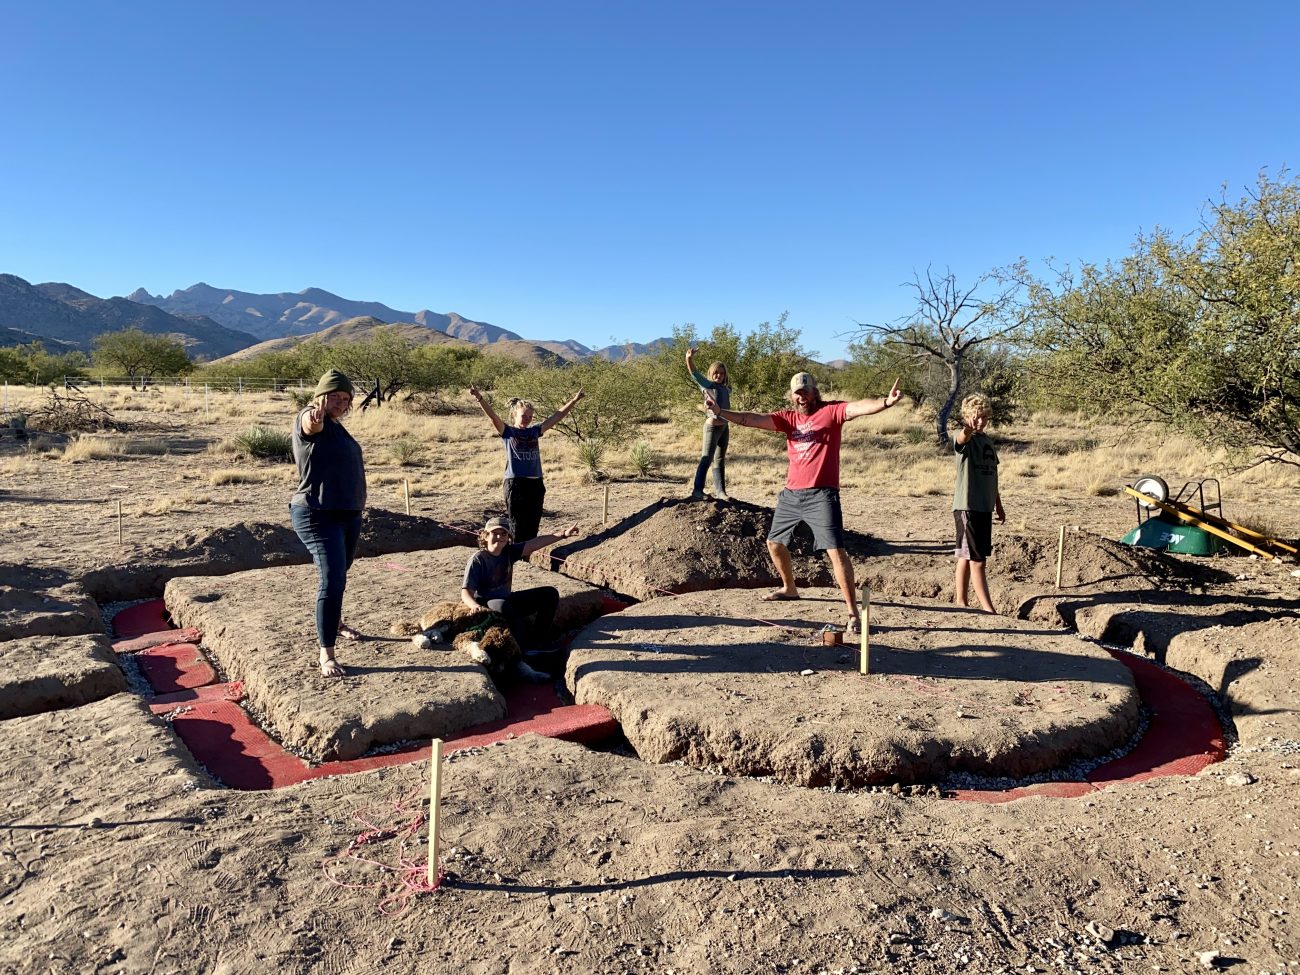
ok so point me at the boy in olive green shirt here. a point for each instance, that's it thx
(975, 499)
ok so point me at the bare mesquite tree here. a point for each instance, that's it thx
(949, 321)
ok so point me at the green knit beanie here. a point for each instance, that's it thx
(333, 382)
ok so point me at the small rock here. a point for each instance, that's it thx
(806, 673)
(1101, 932)
(1239, 778)
(1208, 959)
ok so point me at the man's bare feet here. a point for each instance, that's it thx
(780, 596)
(329, 667)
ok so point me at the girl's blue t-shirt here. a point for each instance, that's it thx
(523, 453)
(720, 391)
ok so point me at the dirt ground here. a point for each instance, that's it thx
(120, 854)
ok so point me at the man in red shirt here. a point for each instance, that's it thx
(812, 485)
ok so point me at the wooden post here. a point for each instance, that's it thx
(1060, 555)
(205, 398)
(604, 508)
(435, 812)
(119, 522)
(406, 493)
(864, 661)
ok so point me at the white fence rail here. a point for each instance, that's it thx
(236, 385)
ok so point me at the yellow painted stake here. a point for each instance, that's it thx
(435, 811)
(864, 656)
(119, 522)
(406, 493)
(1060, 555)
(604, 509)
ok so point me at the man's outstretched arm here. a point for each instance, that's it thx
(759, 421)
(866, 407)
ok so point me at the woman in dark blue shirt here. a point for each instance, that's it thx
(523, 487)
(326, 508)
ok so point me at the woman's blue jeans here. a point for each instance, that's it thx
(715, 441)
(331, 538)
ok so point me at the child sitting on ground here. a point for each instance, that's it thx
(975, 499)
(489, 575)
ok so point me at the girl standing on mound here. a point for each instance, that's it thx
(523, 485)
(326, 508)
(717, 431)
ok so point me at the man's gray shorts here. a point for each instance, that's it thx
(818, 508)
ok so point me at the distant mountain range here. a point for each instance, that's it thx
(217, 322)
(72, 317)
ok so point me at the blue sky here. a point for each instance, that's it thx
(607, 170)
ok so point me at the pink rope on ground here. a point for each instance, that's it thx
(410, 876)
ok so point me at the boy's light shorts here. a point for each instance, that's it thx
(818, 508)
(974, 534)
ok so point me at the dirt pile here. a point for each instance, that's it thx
(677, 545)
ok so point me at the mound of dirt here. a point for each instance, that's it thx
(677, 545)
(254, 545)
(43, 673)
(701, 679)
(259, 626)
(62, 611)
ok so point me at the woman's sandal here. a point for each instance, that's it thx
(349, 632)
(853, 627)
(329, 667)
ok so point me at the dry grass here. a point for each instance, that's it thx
(233, 475)
(94, 448)
(149, 446)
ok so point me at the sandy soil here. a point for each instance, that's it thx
(120, 855)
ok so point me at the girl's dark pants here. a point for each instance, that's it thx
(529, 613)
(715, 439)
(331, 538)
(524, 505)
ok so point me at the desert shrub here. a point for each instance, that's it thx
(1101, 487)
(300, 398)
(590, 454)
(407, 451)
(918, 435)
(643, 459)
(265, 443)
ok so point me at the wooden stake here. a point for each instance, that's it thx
(435, 812)
(604, 510)
(1060, 555)
(406, 493)
(205, 398)
(119, 522)
(864, 655)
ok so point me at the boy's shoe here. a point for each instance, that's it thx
(722, 496)
(697, 496)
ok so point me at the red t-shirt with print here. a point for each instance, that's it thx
(812, 443)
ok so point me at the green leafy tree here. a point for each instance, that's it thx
(33, 363)
(618, 396)
(1202, 332)
(950, 322)
(141, 355)
(759, 363)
